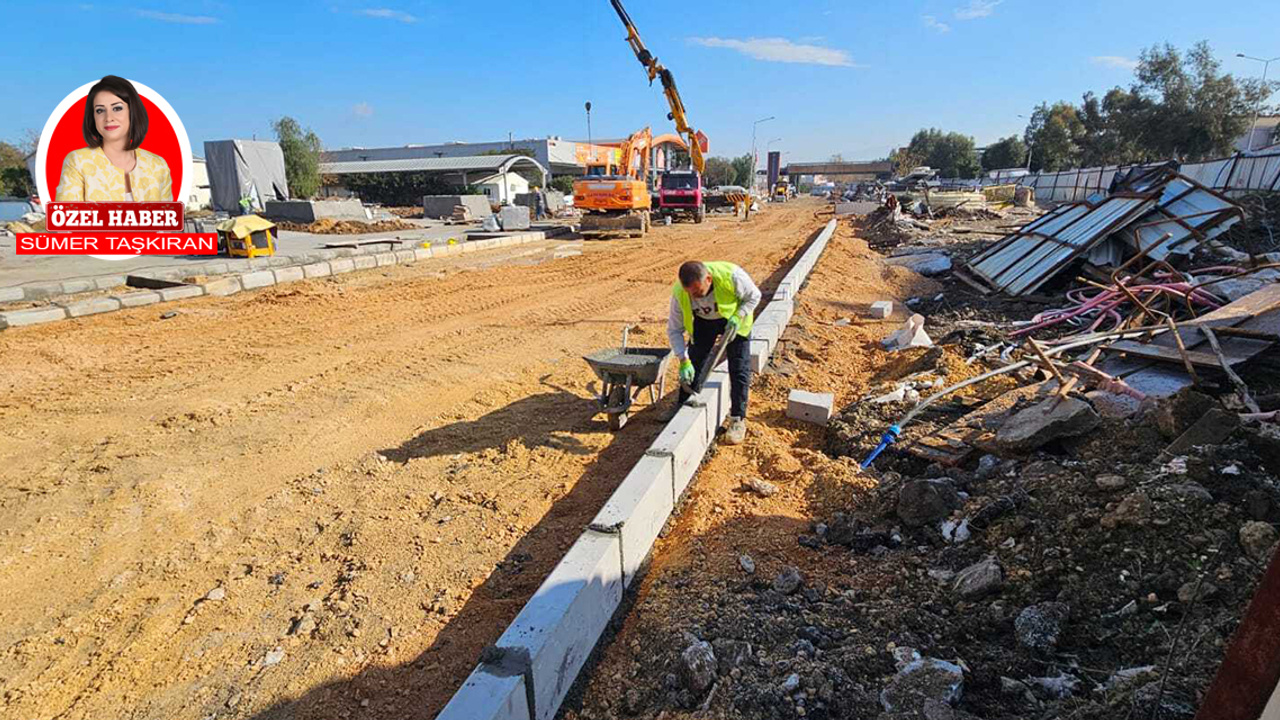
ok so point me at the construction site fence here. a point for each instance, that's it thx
(1237, 175)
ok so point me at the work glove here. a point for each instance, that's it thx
(734, 323)
(686, 372)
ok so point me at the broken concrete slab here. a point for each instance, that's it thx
(920, 682)
(911, 335)
(1213, 428)
(1044, 422)
(923, 502)
(926, 264)
(810, 407)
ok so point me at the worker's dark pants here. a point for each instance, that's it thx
(705, 333)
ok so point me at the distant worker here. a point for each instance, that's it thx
(709, 299)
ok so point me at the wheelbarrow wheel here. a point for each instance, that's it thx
(617, 421)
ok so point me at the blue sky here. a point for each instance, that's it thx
(840, 76)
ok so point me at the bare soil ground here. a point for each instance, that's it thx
(1147, 556)
(322, 499)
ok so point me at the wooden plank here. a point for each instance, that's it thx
(1152, 351)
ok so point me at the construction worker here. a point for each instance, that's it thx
(708, 299)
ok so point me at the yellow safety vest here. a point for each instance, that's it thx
(726, 296)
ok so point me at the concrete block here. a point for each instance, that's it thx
(513, 217)
(33, 316)
(223, 287)
(137, 299)
(71, 287)
(308, 211)
(384, 259)
(489, 696)
(106, 282)
(760, 353)
(10, 294)
(810, 407)
(40, 291)
(288, 274)
(715, 395)
(365, 262)
(770, 331)
(92, 306)
(441, 206)
(422, 253)
(881, 310)
(216, 268)
(182, 292)
(316, 270)
(258, 279)
(637, 510)
(404, 257)
(557, 629)
(685, 441)
(341, 265)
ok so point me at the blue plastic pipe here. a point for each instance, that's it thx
(889, 438)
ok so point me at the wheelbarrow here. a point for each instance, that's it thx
(625, 372)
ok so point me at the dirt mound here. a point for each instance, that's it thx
(328, 226)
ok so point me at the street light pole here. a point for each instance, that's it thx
(753, 149)
(1266, 65)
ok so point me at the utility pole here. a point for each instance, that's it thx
(591, 150)
(1266, 65)
(753, 149)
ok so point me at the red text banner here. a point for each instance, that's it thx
(117, 243)
(119, 216)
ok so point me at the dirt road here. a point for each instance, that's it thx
(323, 499)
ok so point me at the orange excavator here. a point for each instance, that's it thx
(621, 202)
(615, 199)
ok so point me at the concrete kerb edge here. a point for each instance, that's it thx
(305, 268)
(662, 457)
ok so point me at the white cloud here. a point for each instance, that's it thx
(177, 18)
(388, 14)
(362, 109)
(933, 23)
(1115, 61)
(780, 50)
(977, 9)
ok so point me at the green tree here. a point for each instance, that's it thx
(718, 171)
(1007, 153)
(563, 183)
(301, 150)
(953, 155)
(1055, 135)
(14, 178)
(742, 171)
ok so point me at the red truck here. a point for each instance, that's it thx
(681, 194)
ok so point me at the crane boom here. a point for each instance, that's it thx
(657, 71)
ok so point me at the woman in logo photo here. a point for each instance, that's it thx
(113, 167)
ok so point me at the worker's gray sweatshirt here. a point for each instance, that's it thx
(705, 308)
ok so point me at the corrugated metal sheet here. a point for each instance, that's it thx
(476, 163)
(1189, 214)
(1243, 173)
(1025, 260)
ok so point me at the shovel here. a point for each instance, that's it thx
(717, 357)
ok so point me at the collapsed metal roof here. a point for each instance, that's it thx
(1156, 212)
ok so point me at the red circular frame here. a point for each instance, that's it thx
(68, 135)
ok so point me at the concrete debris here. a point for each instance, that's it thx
(926, 264)
(911, 335)
(924, 502)
(954, 532)
(1054, 688)
(763, 488)
(698, 668)
(979, 580)
(1258, 540)
(788, 580)
(1045, 422)
(1134, 510)
(1039, 626)
(881, 310)
(747, 564)
(921, 681)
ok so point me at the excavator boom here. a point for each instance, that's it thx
(696, 140)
